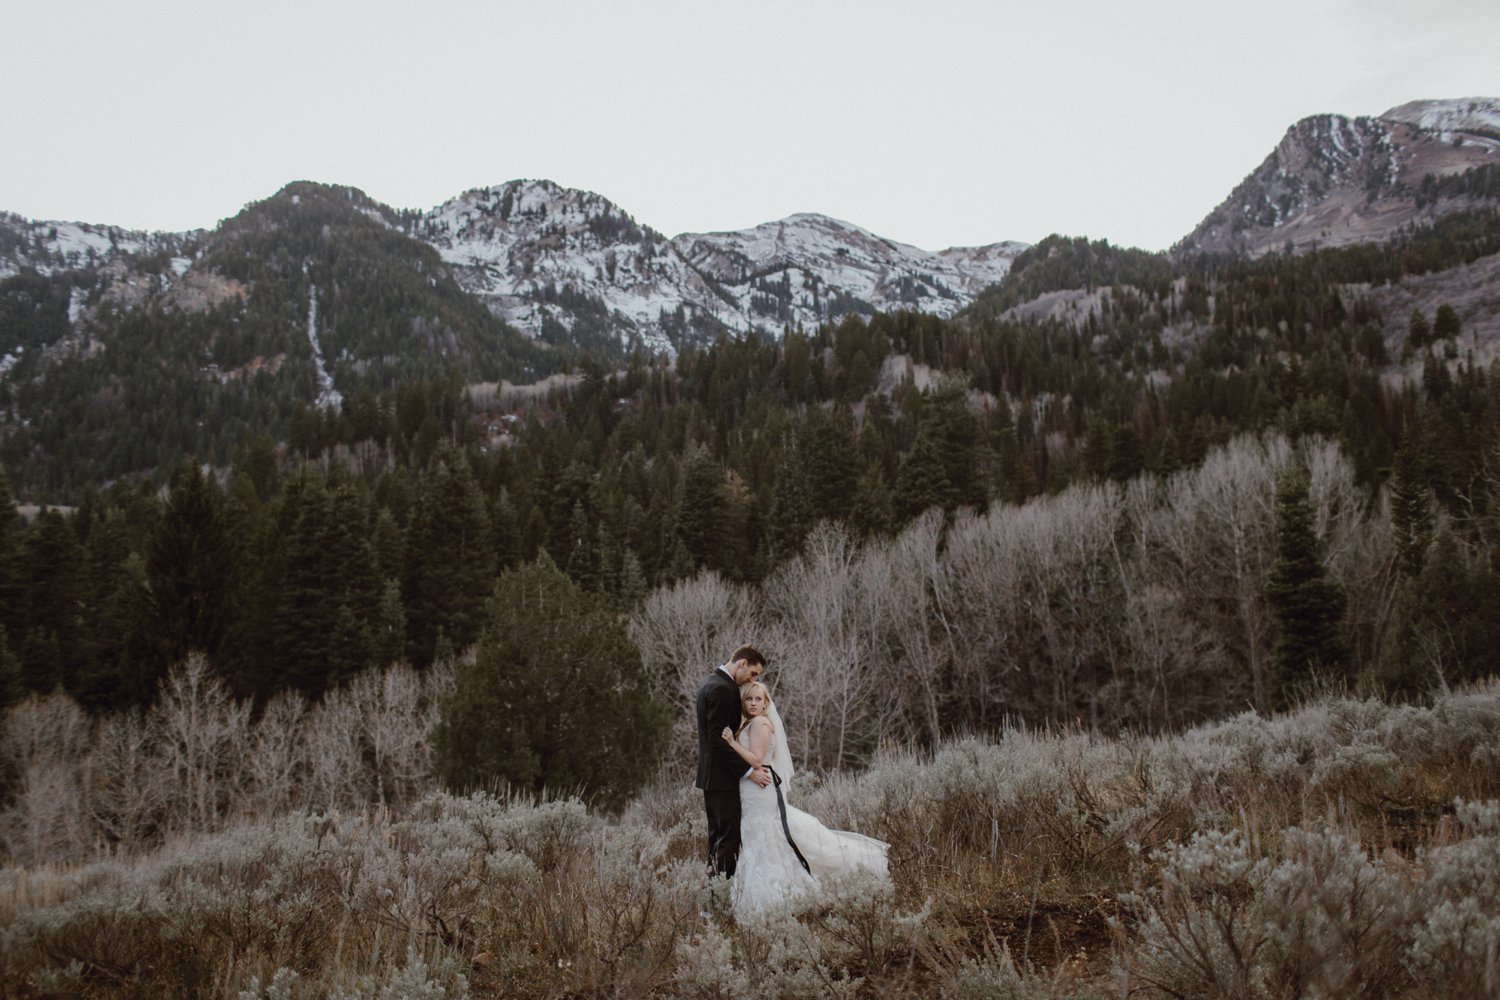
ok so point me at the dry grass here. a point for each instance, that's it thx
(1240, 859)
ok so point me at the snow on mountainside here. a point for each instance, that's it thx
(1335, 180)
(809, 268)
(569, 267)
(550, 261)
(60, 246)
(1477, 115)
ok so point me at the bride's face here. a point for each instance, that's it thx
(755, 704)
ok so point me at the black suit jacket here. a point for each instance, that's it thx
(718, 705)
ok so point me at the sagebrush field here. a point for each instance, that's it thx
(1348, 848)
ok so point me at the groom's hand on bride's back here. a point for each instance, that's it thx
(760, 776)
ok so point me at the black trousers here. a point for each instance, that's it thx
(723, 808)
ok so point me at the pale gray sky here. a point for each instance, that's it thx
(949, 123)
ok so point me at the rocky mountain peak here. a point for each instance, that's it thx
(563, 264)
(1334, 180)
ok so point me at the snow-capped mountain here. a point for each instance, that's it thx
(47, 247)
(551, 260)
(809, 268)
(559, 263)
(1335, 180)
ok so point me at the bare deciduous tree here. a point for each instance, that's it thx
(201, 735)
(683, 631)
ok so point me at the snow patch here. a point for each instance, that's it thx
(76, 302)
(329, 398)
(1465, 114)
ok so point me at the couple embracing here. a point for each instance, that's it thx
(772, 852)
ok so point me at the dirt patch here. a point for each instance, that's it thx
(198, 291)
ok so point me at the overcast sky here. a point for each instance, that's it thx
(946, 123)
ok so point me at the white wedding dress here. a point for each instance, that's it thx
(768, 874)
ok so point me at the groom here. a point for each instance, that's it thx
(719, 767)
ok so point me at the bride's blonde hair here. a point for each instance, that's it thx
(754, 687)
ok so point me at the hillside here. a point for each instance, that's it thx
(1335, 181)
(152, 350)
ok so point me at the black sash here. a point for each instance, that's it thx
(781, 804)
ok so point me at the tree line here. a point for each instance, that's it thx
(375, 533)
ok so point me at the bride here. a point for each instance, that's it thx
(783, 850)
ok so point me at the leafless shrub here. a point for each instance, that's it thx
(45, 739)
(197, 762)
(684, 631)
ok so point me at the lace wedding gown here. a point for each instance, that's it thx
(768, 874)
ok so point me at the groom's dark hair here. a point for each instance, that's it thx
(748, 652)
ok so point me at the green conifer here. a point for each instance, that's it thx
(12, 609)
(702, 510)
(554, 687)
(791, 515)
(1307, 607)
(191, 565)
(52, 574)
(449, 560)
(922, 482)
(12, 685)
(388, 633)
(1411, 512)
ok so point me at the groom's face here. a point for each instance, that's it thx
(745, 671)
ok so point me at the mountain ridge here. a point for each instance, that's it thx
(570, 267)
(1336, 180)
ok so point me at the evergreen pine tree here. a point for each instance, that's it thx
(1446, 324)
(829, 457)
(584, 558)
(191, 565)
(388, 634)
(632, 583)
(1436, 378)
(1127, 457)
(1096, 449)
(112, 596)
(306, 608)
(873, 512)
(790, 517)
(506, 529)
(1418, 333)
(533, 534)
(52, 574)
(702, 510)
(960, 447)
(922, 482)
(12, 686)
(1308, 609)
(1411, 512)
(12, 608)
(329, 594)
(386, 546)
(449, 561)
(551, 663)
(41, 661)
